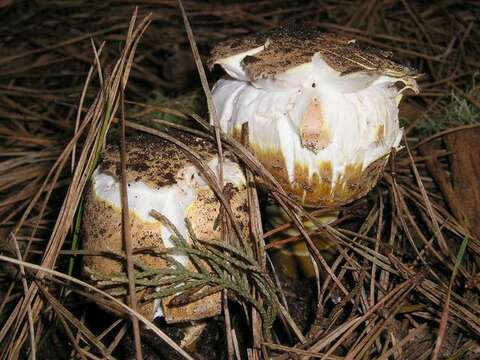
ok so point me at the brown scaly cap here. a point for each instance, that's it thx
(293, 45)
(155, 161)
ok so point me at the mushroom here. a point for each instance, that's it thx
(293, 258)
(160, 177)
(322, 109)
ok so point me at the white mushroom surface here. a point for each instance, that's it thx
(322, 111)
(160, 177)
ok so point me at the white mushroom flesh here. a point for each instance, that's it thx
(352, 119)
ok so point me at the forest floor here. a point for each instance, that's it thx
(400, 278)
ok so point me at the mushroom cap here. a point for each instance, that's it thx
(160, 176)
(322, 109)
(158, 162)
(266, 55)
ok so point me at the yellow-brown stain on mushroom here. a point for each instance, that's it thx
(314, 130)
(319, 189)
(380, 138)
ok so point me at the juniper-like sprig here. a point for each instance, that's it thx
(217, 266)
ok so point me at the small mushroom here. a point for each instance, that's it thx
(322, 109)
(160, 177)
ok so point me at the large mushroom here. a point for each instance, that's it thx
(160, 177)
(322, 109)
